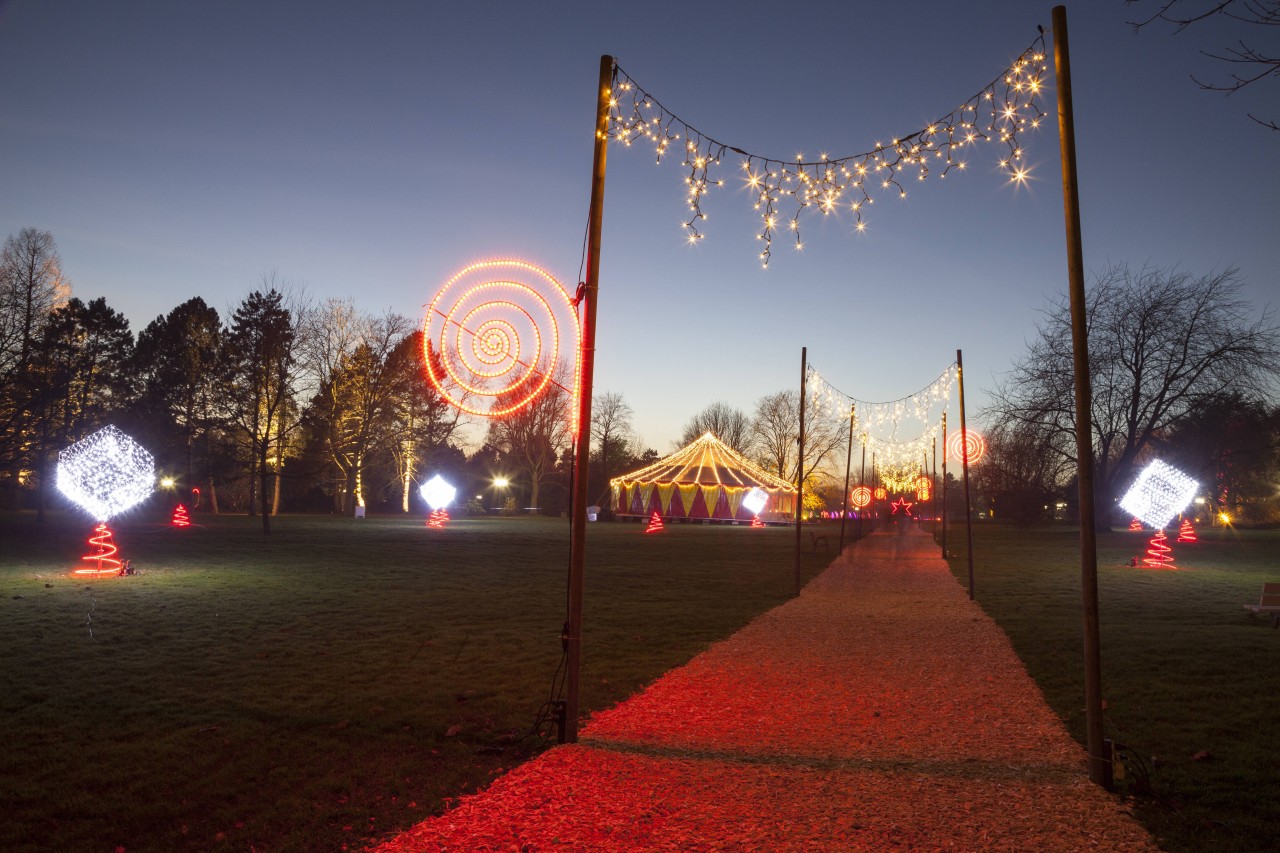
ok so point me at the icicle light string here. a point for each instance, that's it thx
(830, 401)
(783, 189)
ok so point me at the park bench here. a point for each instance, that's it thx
(1269, 604)
(814, 539)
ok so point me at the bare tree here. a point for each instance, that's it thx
(611, 435)
(775, 428)
(1161, 342)
(353, 412)
(533, 437)
(424, 422)
(1254, 63)
(1020, 472)
(32, 286)
(723, 421)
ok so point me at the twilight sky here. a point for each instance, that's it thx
(370, 150)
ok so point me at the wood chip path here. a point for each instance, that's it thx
(879, 711)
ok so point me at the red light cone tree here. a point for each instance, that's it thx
(655, 523)
(1159, 555)
(1187, 533)
(102, 560)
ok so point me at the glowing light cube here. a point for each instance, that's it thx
(106, 473)
(755, 500)
(1160, 493)
(437, 493)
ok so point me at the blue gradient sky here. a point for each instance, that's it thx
(369, 150)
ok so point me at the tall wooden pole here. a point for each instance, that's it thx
(578, 533)
(1099, 760)
(944, 485)
(964, 460)
(933, 489)
(848, 461)
(804, 364)
(862, 481)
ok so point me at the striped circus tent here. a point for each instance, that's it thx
(705, 479)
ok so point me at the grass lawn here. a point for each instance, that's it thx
(329, 684)
(1191, 682)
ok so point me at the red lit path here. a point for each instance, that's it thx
(881, 710)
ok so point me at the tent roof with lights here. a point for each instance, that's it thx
(705, 479)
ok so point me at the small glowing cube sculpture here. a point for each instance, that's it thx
(437, 493)
(106, 473)
(1160, 493)
(755, 500)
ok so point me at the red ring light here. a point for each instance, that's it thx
(966, 440)
(490, 337)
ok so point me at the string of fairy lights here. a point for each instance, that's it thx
(898, 460)
(783, 190)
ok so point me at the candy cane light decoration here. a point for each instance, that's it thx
(493, 337)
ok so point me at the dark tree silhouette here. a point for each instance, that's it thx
(258, 382)
(1161, 343)
(1250, 62)
(723, 421)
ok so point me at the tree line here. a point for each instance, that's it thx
(292, 404)
(318, 407)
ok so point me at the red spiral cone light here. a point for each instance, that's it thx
(1158, 553)
(438, 519)
(655, 523)
(1135, 526)
(1187, 533)
(180, 517)
(103, 556)
(756, 522)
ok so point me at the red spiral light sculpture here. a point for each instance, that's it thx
(493, 335)
(961, 441)
(881, 493)
(655, 523)
(861, 496)
(438, 519)
(180, 517)
(103, 555)
(1159, 555)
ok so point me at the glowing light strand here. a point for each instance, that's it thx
(103, 556)
(830, 401)
(784, 189)
(961, 442)
(106, 473)
(488, 336)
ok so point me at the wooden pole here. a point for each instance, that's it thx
(862, 481)
(933, 490)
(944, 485)
(964, 460)
(578, 509)
(1099, 759)
(804, 364)
(848, 460)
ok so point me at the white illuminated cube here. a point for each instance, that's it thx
(755, 500)
(1160, 493)
(106, 473)
(437, 493)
